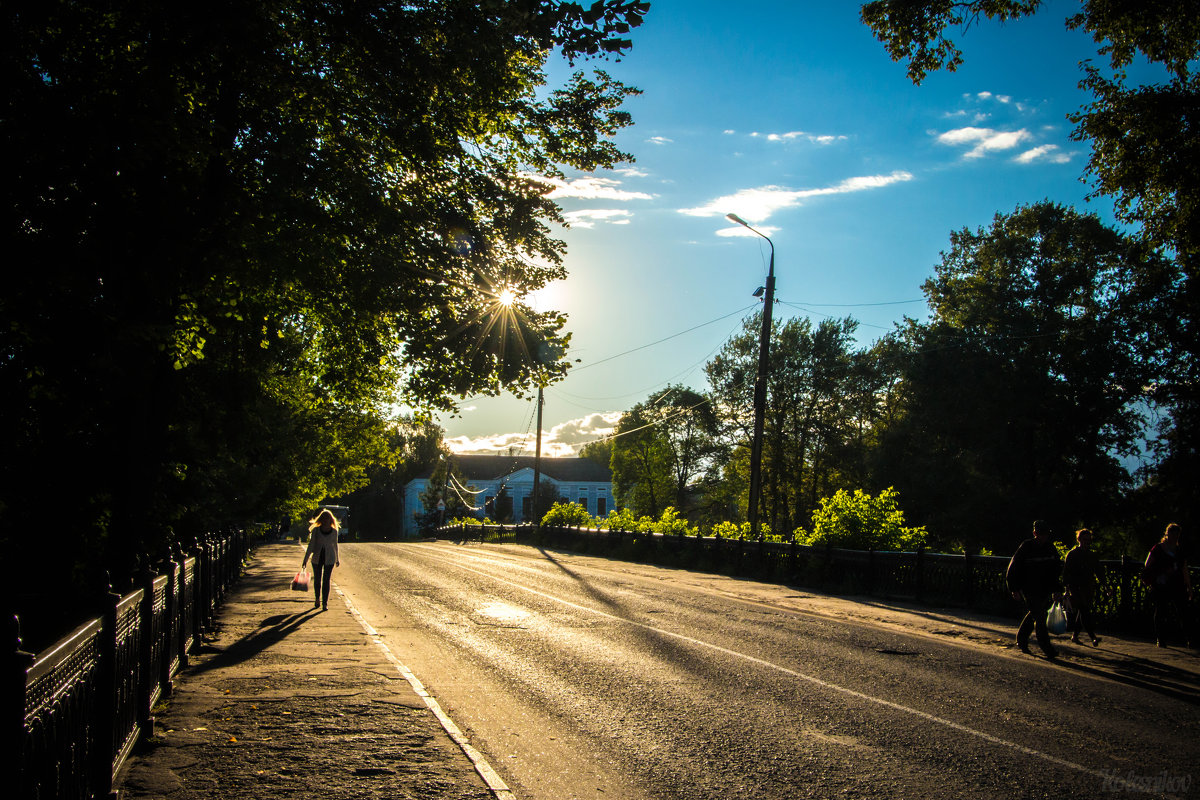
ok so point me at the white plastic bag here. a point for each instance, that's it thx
(1056, 619)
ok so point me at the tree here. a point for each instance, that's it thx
(414, 447)
(1145, 154)
(1029, 382)
(660, 447)
(815, 386)
(599, 451)
(247, 230)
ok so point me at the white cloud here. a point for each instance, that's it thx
(738, 230)
(757, 205)
(660, 140)
(986, 140)
(1046, 152)
(562, 440)
(588, 217)
(592, 188)
(493, 443)
(631, 172)
(822, 139)
(577, 432)
(999, 98)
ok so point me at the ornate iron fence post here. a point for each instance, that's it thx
(204, 585)
(16, 668)
(920, 578)
(103, 727)
(170, 625)
(1126, 603)
(149, 673)
(182, 608)
(968, 581)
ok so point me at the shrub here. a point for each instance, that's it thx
(730, 530)
(670, 523)
(568, 515)
(619, 520)
(859, 521)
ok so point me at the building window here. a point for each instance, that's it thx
(583, 502)
(601, 506)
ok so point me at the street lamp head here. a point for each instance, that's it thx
(759, 291)
(737, 219)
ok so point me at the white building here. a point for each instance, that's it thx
(502, 486)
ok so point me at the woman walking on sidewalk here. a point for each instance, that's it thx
(1079, 574)
(1166, 573)
(323, 549)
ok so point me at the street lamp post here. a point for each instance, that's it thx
(760, 384)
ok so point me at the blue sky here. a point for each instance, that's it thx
(792, 116)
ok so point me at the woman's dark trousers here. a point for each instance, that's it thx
(322, 579)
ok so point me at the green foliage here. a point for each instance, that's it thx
(252, 229)
(823, 399)
(599, 451)
(731, 530)
(1143, 142)
(914, 31)
(671, 524)
(623, 520)
(568, 515)
(660, 446)
(858, 521)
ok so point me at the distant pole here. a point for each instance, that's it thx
(760, 385)
(537, 464)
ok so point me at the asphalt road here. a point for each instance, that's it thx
(580, 677)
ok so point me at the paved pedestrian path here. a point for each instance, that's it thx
(286, 700)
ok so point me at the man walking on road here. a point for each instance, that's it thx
(1033, 578)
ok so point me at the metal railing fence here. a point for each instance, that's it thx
(973, 582)
(73, 713)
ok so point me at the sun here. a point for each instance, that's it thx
(506, 297)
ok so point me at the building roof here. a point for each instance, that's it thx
(568, 470)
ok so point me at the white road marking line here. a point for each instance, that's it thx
(494, 782)
(987, 737)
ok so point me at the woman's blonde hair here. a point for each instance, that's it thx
(313, 524)
(1172, 528)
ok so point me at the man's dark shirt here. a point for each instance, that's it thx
(1035, 568)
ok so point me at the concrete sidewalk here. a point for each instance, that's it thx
(285, 700)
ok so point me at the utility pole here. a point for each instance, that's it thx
(760, 385)
(537, 465)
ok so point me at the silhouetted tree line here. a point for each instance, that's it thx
(1036, 389)
(238, 235)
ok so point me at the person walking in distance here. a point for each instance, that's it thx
(1166, 573)
(1033, 578)
(323, 550)
(1079, 574)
